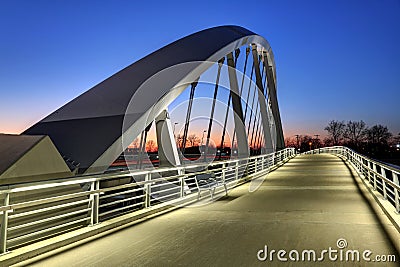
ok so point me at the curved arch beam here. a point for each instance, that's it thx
(88, 129)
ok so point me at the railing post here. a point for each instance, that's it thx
(182, 182)
(147, 200)
(352, 157)
(362, 166)
(273, 159)
(223, 172)
(255, 165)
(355, 156)
(94, 198)
(374, 169)
(384, 183)
(237, 170)
(366, 167)
(396, 192)
(4, 225)
(369, 171)
(263, 163)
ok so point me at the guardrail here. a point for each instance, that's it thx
(382, 177)
(36, 211)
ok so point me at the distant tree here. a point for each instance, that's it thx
(317, 143)
(335, 131)
(378, 134)
(193, 140)
(150, 146)
(179, 140)
(328, 141)
(304, 141)
(355, 132)
(396, 140)
(290, 142)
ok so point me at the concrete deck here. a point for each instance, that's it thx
(309, 203)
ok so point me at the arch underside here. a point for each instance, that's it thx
(88, 130)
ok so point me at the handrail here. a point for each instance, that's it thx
(367, 168)
(85, 207)
(119, 174)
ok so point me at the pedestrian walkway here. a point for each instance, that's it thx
(308, 204)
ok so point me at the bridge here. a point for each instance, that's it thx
(85, 180)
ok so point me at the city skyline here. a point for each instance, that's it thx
(335, 61)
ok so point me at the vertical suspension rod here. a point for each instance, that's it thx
(188, 113)
(241, 90)
(259, 132)
(254, 124)
(142, 149)
(252, 104)
(237, 52)
(220, 63)
(138, 163)
(248, 91)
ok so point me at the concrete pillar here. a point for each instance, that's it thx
(167, 150)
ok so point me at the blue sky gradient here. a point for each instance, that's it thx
(335, 59)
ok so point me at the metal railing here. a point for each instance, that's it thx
(36, 211)
(383, 177)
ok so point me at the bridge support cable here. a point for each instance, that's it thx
(259, 127)
(259, 135)
(259, 131)
(252, 105)
(241, 91)
(257, 116)
(262, 103)
(237, 52)
(255, 135)
(264, 88)
(244, 70)
(142, 146)
(220, 63)
(188, 113)
(243, 148)
(251, 113)
(248, 91)
(138, 163)
(253, 129)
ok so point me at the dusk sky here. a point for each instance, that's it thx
(335, 59)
